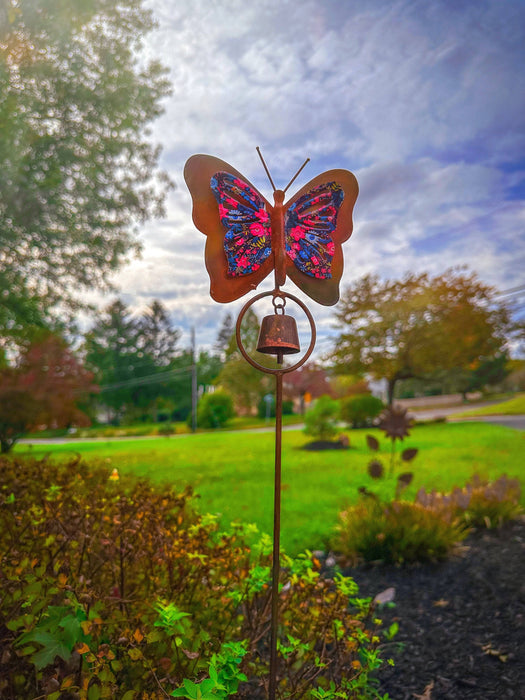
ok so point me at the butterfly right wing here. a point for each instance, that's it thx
(225, 285)
(318, 220)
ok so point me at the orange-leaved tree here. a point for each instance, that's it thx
(42, 387)
(419, 325)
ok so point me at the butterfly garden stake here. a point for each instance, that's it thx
(247, 239)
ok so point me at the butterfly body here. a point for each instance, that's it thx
(247, 237)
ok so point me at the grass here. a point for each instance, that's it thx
(233, 472)
(512, 407)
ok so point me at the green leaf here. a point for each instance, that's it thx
(93, 692)
(372, 442)
(52, 648)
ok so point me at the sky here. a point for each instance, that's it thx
(423, 101)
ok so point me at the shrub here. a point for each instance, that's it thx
(479, 503)
(321, 420)
(398, 532)
(429, 528)
(360, 411)
(111, 588)
(214, 410)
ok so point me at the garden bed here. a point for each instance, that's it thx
(461, 622)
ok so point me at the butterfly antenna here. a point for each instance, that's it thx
(266, 168)
(296, 174)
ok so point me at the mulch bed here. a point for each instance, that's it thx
(318, 445)
(461, 622)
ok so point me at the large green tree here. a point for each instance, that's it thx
(77, 171)
(419, 325)
(142, 372)
(112, 353)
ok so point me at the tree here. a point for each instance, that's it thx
(225, 335)
(112, 353)
(43, 388)
(136, 361)
(157, 337)
(310, 379)
(245, 383)
(77, 173)
(417, 326)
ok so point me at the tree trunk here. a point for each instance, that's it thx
(390, 391)
(5, 446)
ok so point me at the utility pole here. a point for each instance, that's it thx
(193, 383)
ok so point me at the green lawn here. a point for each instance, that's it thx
(233, 472)
(514, 406)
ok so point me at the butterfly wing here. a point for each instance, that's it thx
(318, 219)
(227, 209)
(243, 214)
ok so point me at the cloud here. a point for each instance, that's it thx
(424, 101)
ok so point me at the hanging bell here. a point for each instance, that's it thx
(278, 335)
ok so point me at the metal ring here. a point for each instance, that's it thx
(283, 295)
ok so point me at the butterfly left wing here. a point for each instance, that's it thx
(318, 219)
(225, 207)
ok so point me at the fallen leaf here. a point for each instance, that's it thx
(386, 596)
(441, 603)
(427, 693)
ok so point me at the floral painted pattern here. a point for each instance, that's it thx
(308, 228)
(309, 223)
(247, 242)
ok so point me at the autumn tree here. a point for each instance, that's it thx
(77, 170)
(414, 327)
(43, 387)
(306, 383)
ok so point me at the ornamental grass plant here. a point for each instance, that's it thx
(398, 532)
(430, 527)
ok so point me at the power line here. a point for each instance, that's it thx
(149, 379)
(513, 290)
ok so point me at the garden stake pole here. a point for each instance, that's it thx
(278, 343)
(276, 533)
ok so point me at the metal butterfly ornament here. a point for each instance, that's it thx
(247, 237)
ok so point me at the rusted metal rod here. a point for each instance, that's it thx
(276, 535)
(280, 348)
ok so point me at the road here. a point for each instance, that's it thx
(516, 422)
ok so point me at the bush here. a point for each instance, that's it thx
(214, 410)
(479, 503)
(398, 532)
(360, 411)
(429, 528)
(321, 420)
(111, 588)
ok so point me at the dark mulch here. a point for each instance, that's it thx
(461, 622)
(318, 445)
